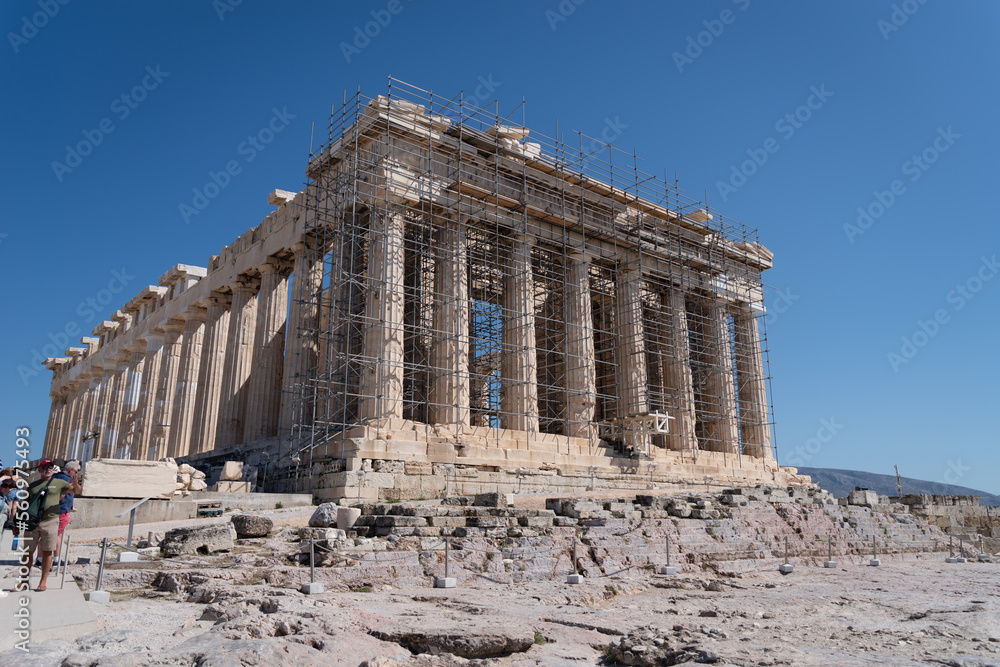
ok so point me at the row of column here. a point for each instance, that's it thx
(211, 377)
(730, 414)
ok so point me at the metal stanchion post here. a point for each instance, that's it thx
(668, 568)
(97, 595)
(874, 562)
(312, 587)
(447, 581)
(63, 557)
(952, 558)
(830, 562)
(982, 552)
(576, 577)
(786, 567)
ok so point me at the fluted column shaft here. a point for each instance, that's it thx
(113, 411)
(51, 426)
(581, 369)
(239, 360)
(301, 353)
(186, 389)
(723, 434)
(382, 382)
(449, 390)
(754, 427)
(519, 365)
(210, 371)
(633, 393)
(678, 376)
(264, 399)
(166, 391)
(148, 394)
(129, 433)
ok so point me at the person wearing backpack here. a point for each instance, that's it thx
(43, 507)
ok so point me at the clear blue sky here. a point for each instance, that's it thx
(888, 81)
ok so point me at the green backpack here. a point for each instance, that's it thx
(35, 507)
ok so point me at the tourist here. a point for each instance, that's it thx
(65, 504)
(45, 536)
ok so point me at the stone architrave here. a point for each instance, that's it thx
(186, 389)
(677, 375)
(519, 364)
(210, 371)
(633, 393)
(382, 381)
(264, 399)
(239, 361)
(581, 378)
(752, 392)
(449, 392)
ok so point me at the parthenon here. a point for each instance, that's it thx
(451, 302)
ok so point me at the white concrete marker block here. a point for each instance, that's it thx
(984, 557)
(666, 569)
(574, 579)
(786, 568)
(313, 588)
(951, 559)
(444, 582)
(98, 597)
(874, 562)
(829, 563)
(960, 559)
(128, 557)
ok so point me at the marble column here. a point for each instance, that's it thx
(76, 397)
(633, 393)
(581, 370)
(148, 393)
(166, 391)
(264, 398)
(186, 389)
(213, 356)
(129, 434)
(754, 427)
(382, 381)
(449, 385)
(239, 360)
(677, 374)
(113, 412)
(519, 364)
(105, 407)
(50, 428)
(722, 433)
(301, 351)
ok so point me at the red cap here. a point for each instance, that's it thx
(45, 463)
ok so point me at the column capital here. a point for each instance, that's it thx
(196, 313)
(245, 282)
(275, 265)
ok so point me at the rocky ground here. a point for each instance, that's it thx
(244, 607)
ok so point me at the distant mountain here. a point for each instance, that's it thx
(841, 482)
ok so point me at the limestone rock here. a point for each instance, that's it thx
(251, 525)
(464, 641)
(199, 540)
(197, 485)
(232, 471)
(119, 478)
(324, 516)
(197, 474)
(225, 486)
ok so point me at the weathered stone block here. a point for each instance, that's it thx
(324, 516)
(251, 525)
(117, 478)
(347, 517)
(200, 540)
(232, 471)
(224, 486)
